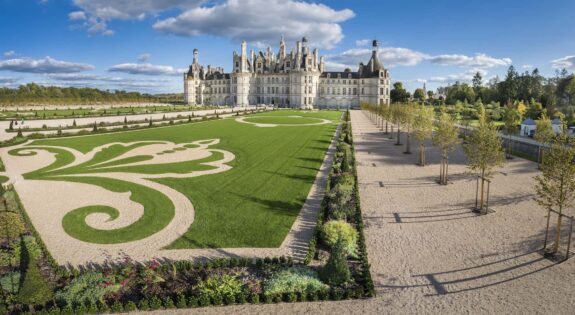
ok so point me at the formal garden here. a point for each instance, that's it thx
(220, 153)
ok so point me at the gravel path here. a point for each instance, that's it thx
(430, 254)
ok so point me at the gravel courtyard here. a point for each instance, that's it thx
(430, 254)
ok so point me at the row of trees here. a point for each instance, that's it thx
(483, 147)
(32, 93)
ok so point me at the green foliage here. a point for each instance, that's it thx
(11, 226)
(90, 286)
(340, 199)
(484, 149)
(295, 279)
(555, 186)
(544, 129)
(338, 230)
(10, 282)
(155, 303)
(336, 271)
(34, 289)
(219, 286)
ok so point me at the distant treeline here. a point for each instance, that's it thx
(32, 94)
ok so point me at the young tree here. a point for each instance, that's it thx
(543, 134)
(423, 128)
(336, 270)
(555, 186)
(407, 121)
(397, 120)
(484, 151)
(512, 119)
(445, 139)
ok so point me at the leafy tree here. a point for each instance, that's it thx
(477, 83)
(419, 94)
(445, 139)
(543, 133)
(512, 118)
(407, 120)
(423, 128)
(398, 94)
(484, 151)
(555, 186)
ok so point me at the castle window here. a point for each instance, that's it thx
(344, 82)
(259, 64)
(362, 91)
(237, 64)
(380, 90)
(344, 93)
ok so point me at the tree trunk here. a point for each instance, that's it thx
(441, 171)
(398, 136)
(446, 170)
(509, 147)
(421, 154)
(558, 232)
(386, 127)
(408, 142)
(482, 186)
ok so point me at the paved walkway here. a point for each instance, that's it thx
(430, 254)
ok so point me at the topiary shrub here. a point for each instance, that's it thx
(192, 301)
(168, 302)
(181, 301)
(254, 298)
(336, 271)
(335, 230)
(294, 279)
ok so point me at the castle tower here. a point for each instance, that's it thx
(196, 56)
(282, 52)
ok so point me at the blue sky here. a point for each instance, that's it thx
(144, 45)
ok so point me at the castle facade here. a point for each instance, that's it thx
(295, 80)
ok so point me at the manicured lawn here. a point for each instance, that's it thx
(252, 205)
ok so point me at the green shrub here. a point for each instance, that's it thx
(67, 310)
(204, 300)
(10, 282)
(168, 302)
(217, 299)
(102, 307)
(11, 225)
(193, 301)
(336, 271)
(254, 298)
(117, 307)
(90, 286)
(144, 305)
(181, 301)
(34, 289)
(241, 298)
(155, 303)
(334, 230)
(130, 306)
(220, 285)
(294, 279)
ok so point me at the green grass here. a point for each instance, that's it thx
(283, 120)
(252, 205)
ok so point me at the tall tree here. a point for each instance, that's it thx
(419, 94)
(423, 128)
(477, 83)
(555, 186)
(484, 151)
(445, 138)
(398, 94)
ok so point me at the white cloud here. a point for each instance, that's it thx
(146, 69)
(527, 66)
(477, 61)
(45, 65)
(466, 76)
(261, 21)
(98, 12)
(567, 62)
(9, 54)
(390, 56)
(8, 80)
(77, 15)
(144, 57)
(362, 42)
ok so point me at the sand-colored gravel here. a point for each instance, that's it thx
(430, 255)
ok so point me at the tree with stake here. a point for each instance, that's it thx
(386, 111)
(445, 139)
(512, 119)
(125, 120)
(543, 134)
(423, 128)
(408, 119)
(397, 119)
(555, 186)
(484, 152)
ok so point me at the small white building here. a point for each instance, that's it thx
(528, 127)
(556, 125)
